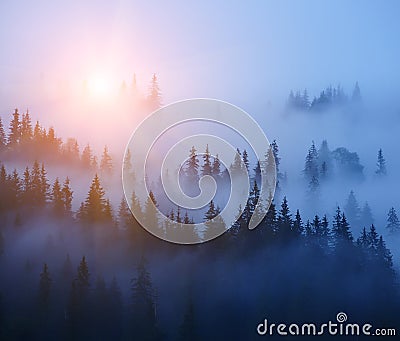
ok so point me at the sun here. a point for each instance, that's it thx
(100, 86)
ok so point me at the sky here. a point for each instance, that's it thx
(237, 51)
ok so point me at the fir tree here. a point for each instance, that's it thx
(298, 227)
(207, 167)
(284, 223)
(393, 223)
(83, 275)
(214, 223)
(245, 159)
(67, 195)
(93, 208)
(356, 97)
(86, 157)
(26, 128)
(154, 98)
(14, 135)
(352, 209)
(57, 198)
(381, 164)
(144, 320)
(192, 166)
(3, 141)
(125, 218)
(44, 286)
(106, 162)
(257, 172)
(150, 212)
(366, 218)
(216, 167)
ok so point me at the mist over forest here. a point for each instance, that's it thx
(77, 265)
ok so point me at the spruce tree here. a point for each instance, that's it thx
(154, 98)
(352, 209)
(216, 168)
(57, 198)
(393, 223)
(14, 135)
(245, 159)
(67, 195)
(206, 167)
(26, 128)
(381, 164)
(44, 287)
(150, 212)
(284, 223)
(93, 208)
(144, 321)
(86, 157)
(298, 227)
(3, 140)
(366, 218)
(192, 166)
(82, 279)
(106, 162)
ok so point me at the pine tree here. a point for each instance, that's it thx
(83, 275)
(108, 212)
(86, 157)
(106, 162)
(393, 223)
(341, 231)
(237, 167)
(192, 166)
(366, 218)
(298, 227)
(311, 165)
(144, 320)
(206, 168)
(67, 195)
(356, 97)
(245, 159)
(125, 218)
(372, 239)
(216, 167)
(44, 287)
(154, 98)
(26, 128)
(150, 212)
(187, 330)
(284, 223)
(3, 141)
(352, 209)
(127, 166)
(57, 198)
(93, 208)
(257, 172)
(275, 151)
(384, 255)
(381, 164)
(14, 135)
(44, 185)
(214, 223)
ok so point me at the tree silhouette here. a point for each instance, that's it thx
(393, 223)
(381, 164)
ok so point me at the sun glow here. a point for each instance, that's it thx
(100, 86)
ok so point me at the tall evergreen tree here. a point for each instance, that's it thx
(26, 128)
(83, 275)
(154, 98)
(216, 167)
(245, 159)
(366, 218)
(86, 157)
(393, 223)
(206, 167)
(57, 198)
(3, 140)
(150, 211)
(44, 287)
(298, 227)
(356, 97)
(381, 164)
(14, 135)
(284, 223)
(106, 162)
(192, 166)
(144, 321)
(93, 207)
(67, 195)
(352, 209)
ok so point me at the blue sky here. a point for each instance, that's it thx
(230, 50)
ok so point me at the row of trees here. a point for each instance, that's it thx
(331, 97)
(26, 141)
